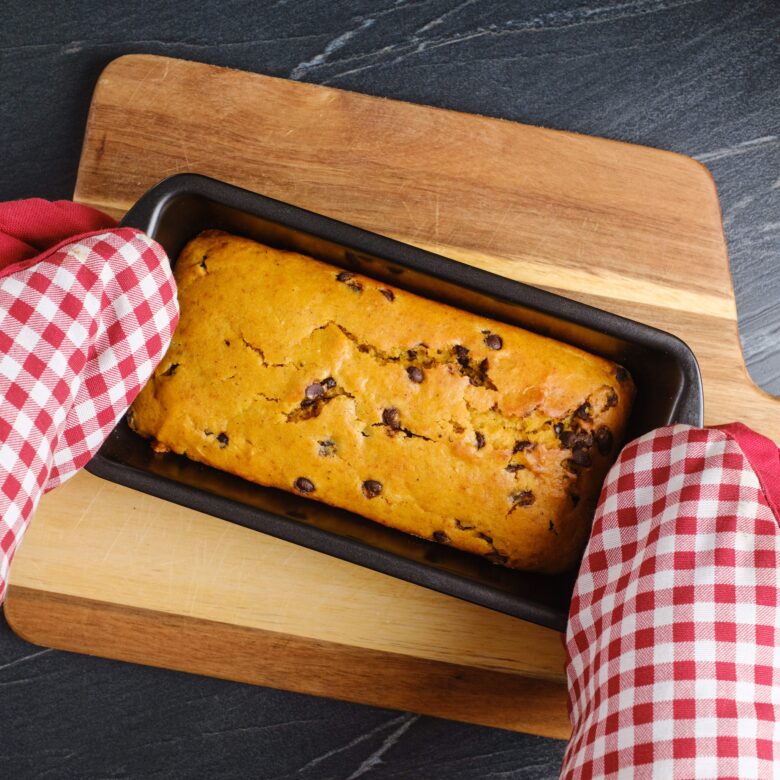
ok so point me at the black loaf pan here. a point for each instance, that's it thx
(664, 369)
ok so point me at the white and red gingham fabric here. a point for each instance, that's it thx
(673, 660)
(82, 327)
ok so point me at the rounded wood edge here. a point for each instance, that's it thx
(86, 143)
(259, 657)
(764, 409)
(764, 414)
(760, 410)
(16, 620)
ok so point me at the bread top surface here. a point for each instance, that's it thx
(284, 368)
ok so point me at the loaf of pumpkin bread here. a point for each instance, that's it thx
(299, 375)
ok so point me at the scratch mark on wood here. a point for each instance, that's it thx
(85, 512)
(141, 84)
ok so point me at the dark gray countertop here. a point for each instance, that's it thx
(694, 76)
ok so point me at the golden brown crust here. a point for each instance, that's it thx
(441, 423)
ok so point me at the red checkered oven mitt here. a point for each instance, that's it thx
(673, 660)
(84, 320)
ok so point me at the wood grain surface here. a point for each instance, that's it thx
(633, 230)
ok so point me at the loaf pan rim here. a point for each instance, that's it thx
(146, 214)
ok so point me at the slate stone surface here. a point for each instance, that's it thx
(694, 76)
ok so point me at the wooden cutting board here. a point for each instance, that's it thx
(637, 231)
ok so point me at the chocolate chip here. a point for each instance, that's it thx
(327, 448)
(345, 276)
(480, 440)
(583, 411)
(411, 354)
(227, 342)
(493, 341)
(611, 400)
(621, 374)
(462, 356)
(304, 485)
(171, 370)
(514, 467)
(583, 440)
(558, 428)
(223, 440)
(496, 557)
(485, 537)
(415, 374)
(314, 390)
(576, 440)
(477, 375)
(372, 488)
(329, 383)
(463, 526)
(389, 294)
(604, 440)
(580, 457)
(308, 402)
(356, 286)
(523, 498)
(440, 537)
(392, 418)
(522, 445)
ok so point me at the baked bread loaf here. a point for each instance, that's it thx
(299, 375)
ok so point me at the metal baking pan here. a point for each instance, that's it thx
(664, 369)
